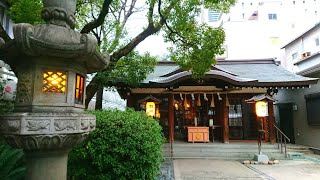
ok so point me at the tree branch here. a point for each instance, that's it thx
(97, 22)
(172, 32)
(119, 30)
(151, 29)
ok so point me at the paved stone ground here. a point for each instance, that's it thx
(205, 169)
(290, 169)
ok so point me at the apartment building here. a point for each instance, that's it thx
(300, 107)
(258, 29)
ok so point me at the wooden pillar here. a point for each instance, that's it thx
(271, 123)
(225, 118)
(130, 102)
(171, 117)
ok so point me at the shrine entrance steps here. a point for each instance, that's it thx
(230, 151)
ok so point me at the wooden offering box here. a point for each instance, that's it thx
(198, 134)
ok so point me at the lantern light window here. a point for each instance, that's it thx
(79, 91)
(54, 82)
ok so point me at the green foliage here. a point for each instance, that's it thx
(219, 5)
(5, 106)
(130, 69)
(112, 34)
(125, 145)
(26, 11)
(11, 163)
(195, 45)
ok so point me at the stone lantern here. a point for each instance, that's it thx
(51, 62)
(261, 109)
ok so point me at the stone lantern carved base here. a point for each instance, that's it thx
(46, 139)
(46, 123)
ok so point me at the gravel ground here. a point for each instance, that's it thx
(166, 170)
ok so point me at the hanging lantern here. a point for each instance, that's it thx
(227, 101)
(199, 101)
(261, 108)
(212, 102)
(150, 109)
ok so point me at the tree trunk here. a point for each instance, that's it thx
(91, 90)
(99, 98)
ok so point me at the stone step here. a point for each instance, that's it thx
(220, 150)
(234, 156)
(223, 146)
(234, 151)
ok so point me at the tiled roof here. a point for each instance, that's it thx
(237, 72)
(264, 72)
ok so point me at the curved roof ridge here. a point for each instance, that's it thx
(212, 73)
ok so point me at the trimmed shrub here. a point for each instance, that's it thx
(125, 145)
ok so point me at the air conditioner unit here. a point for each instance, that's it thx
(305, 54)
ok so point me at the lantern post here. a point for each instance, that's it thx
(261, 109)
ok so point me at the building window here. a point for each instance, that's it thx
(294, 2)
(317, 41)
(213, 16)
(313, 113)
(294, 56)
(79, 92)
(54, 82)
(272, 16)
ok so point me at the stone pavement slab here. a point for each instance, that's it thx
(290, 169)
(205, 169)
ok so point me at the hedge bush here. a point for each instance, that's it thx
(125, 145)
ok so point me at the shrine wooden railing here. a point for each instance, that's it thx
(282, 140)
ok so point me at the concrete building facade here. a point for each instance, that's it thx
(302, 56)
(258, 29)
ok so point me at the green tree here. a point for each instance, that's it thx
(194, 48)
